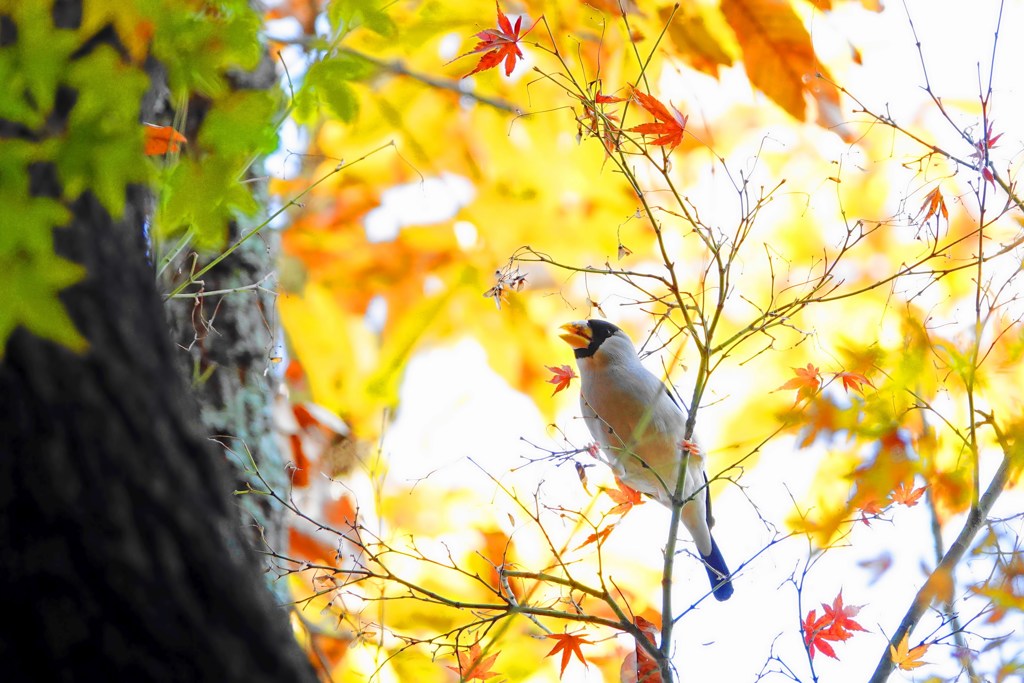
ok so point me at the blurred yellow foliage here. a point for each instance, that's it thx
(819, 244)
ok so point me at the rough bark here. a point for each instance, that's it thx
(225, 343)
(120, 553)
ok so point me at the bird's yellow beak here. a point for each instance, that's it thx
(576, 335)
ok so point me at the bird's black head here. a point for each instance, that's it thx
(599, 331)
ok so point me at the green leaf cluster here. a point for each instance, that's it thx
(346, 15)
(31, 274)
(205, 190)
(31, 68)
(99, 150)
(98, 146)
(198, 45)
(327, 83)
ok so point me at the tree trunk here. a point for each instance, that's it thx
(120, 553)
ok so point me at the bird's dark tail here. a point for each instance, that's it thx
(718, 573)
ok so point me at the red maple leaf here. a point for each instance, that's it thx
(842, 618)
(568, 643)
(835, 625)
(813, 628)
(601, 124)
(669, 126)
(980, 153)
(806, 382)
(161, 139)
(563, 376)
(624, 497)
(499, 44)
(471, 666)
(853, 380)
(981, 147)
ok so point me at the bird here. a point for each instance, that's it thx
(641, 428)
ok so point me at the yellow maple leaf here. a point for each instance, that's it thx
(907, 659)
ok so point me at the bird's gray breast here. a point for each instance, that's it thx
(629, 407)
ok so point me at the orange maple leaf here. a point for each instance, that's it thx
(669, 126)
(471, 666)
(562, 377)
(933, 205)
(341, 513)
(161, 139)
(300, 461)
(871, 506)
(499, 44)
(568, 643)
(905, 658)
(327, 649)
(853, 380)
(1003, 591)
(806, 382)
(624, 497)
(778, 54)
(307, 547)
(597, 536)
(820, 418)
(905, 496)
